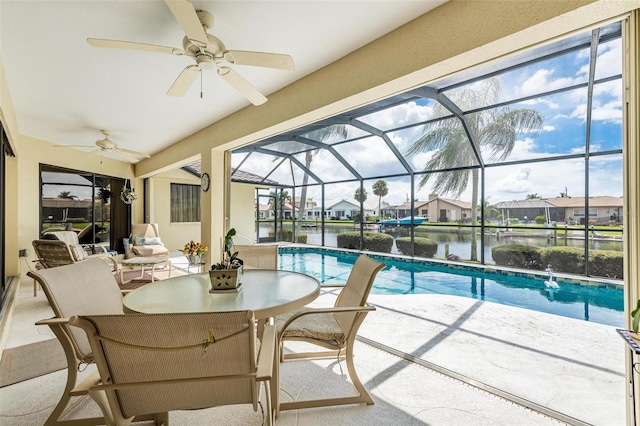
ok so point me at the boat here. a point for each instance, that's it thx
(404, 221)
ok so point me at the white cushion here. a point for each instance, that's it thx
(152, 250)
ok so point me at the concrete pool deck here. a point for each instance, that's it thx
(571, 368)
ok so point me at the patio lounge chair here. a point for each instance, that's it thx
(62, 248)
(198, 360)
(258, 256)
(332, 328)
(79, 288)
(145, 241)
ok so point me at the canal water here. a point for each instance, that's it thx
(457, 241)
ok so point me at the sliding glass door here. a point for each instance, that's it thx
(86, 203)
(5, 150)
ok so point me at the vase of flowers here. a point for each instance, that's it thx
(194, 252)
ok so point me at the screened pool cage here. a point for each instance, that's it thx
(526, 150)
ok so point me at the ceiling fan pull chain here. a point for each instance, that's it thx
(200, 83)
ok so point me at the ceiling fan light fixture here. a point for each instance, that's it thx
(208, 52)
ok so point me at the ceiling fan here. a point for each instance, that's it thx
(109, 146)
(207, 51)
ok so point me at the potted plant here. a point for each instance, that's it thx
(127, 195)
(227, 274)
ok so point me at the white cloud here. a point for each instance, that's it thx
(542, 81)
(609, 112)
(577, 150)
(514, 183)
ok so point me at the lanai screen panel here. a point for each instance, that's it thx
(604, 175)
(408, 113)
(609, 62)
(562, 131)
(335, 133)
(440, 145)
(325, 166)
(371, 157)
(263, 165)
(288, 147)
(606, 112)
(606, 117)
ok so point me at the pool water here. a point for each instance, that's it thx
(600, 302)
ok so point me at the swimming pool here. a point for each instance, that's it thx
(595, 301)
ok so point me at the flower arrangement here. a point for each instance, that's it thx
(194, 249)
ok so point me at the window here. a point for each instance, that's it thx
(185, 203)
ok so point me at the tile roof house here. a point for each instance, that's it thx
(570, 210)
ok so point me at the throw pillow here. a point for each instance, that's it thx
(152, 241)
(78, 252)
(147, 241)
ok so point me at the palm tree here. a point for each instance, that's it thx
(277, 200)
(360, 195)
(494, 130)
(491, 212)
(380, 189)
(533, 196)
(67, 195)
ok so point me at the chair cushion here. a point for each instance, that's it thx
(315, 326)
(153, 250)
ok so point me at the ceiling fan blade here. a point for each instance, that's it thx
(129, 158)
(187, 17)
(74, 146)
(184, 81)
(260, 59)
(129, 152)
(242, 85)
(130, 45)
(92, 151)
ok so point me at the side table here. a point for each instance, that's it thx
(200, 267)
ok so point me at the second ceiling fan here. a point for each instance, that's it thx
(207, 51)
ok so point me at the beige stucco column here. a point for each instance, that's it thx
(214, 203)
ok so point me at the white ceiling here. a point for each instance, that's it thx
(64, 91)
